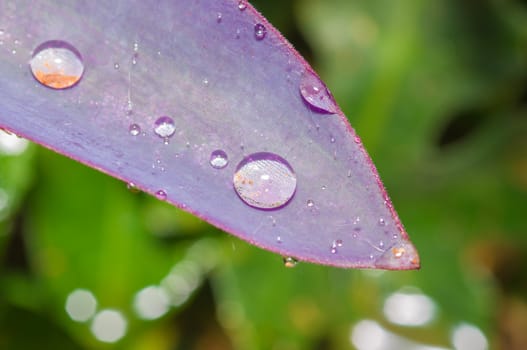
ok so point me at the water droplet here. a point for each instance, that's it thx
(334, 245)
(310, 203)
(259, 31)
(161, 195)
(398, 252)
(164, 127)
(356, 221)
(134, 129)
(339, 242)
(265, 180)
(134, 59)
(395, 236)
(238, 33)
(242, 5)
(381, 244)
(316, 95)
(132, 187)
(136, 46)
(332, 139)
(382, 222)
(278, 239)
(290, 262)
(349, 173)
(219, 159)
(219, 17)
(205, 81)
(116, 66)
(56, 64)
(333, 250)
(2, 31)
(323, 188)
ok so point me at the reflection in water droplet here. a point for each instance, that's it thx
(134, 129)
(316, 95)
(161, 195)
(310, 203)
(218, 159)
(382, 222)
(164, 127)
(265, 180)
(242, 5)
(56, 64)
(289, 261)
(260, 31)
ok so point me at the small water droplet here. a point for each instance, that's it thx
(349, 173)
(134, 129)
(56, 64)
(381, 244)
(382, 222)
(334, 245)
(333, 250)
(398, 252)
(116, 66)
(205, 81)
(332, 139)
(265, 180)
(136, 46)
(134, 59)
(323, 188)
(290, 262)
(161, 195)
(395, 236)
(242, 5)
(219, 17)
(278, 239)
(218, 159)
(2, 31)
(339, 242)
(316, 95)
(238, 33)
(132, 187)
(371, 256)
(310, 203)
(13, 51)
(164, 127)
(16, 42)
(259, 31)
(356, 220)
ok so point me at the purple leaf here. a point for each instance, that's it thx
(249, 138)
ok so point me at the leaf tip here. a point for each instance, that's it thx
(402, 256)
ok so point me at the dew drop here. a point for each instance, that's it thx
(219, 17)
(349, 173)
(316, 95)
(323, 188)
(310, 203)
(265, 180)
(332, 139)
(116, 66)
(218, 159)
(134, 129)
(278, 239)
(290, 262)
(382, 222)
(242, 5)
(132, 187)
(381, 244)
(56, 64)
(339, 242)
(164, 127)
(161, 195)
(259, 31)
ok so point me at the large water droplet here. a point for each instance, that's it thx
(259, 31)
(57, 64)
(265, 180)
(316, 95)
(219, 159)
(289, 261)
(164, 127)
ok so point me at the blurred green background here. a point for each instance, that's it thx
(438, 92)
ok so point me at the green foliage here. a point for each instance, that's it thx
(438, 93)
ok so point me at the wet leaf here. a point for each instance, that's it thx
(164, 87)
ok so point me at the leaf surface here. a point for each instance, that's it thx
(230, 82)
